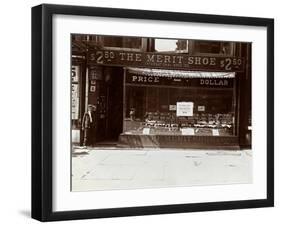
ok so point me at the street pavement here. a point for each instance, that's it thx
(113, 168)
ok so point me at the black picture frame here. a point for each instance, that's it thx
(42, 96)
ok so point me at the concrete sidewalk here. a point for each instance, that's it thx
(112, 168)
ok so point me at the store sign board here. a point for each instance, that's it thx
(152, 80)
(74, 74)
(165, 61)
(95, 73)
(184, 108)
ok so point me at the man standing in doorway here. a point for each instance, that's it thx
(89, 126)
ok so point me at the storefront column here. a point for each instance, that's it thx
(82, 99)
(124, 98)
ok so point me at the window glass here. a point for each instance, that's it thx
(157, 108)
(122, 42)
(168, 45)
(213, 47)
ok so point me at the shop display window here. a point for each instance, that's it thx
(153, 110)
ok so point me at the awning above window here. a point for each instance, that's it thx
(179, 74)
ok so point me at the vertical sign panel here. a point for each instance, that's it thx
(75, 70)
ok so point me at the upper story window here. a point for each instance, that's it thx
(209, 47)
(171, 45)
(182, 46)
(122, 42)
(112, 42)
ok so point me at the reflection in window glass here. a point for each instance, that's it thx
(165, 45)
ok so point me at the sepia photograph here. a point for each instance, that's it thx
(152, 112)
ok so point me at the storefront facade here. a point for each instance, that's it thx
(173, 99)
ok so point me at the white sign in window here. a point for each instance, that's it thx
(146, 131)
(187, 131)
(201, 108)
(215, 132)
(185, 108)
(172, 107)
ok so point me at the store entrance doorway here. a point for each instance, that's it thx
(110, 127)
